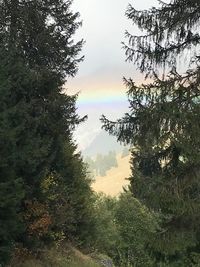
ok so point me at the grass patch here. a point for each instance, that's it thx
(57, 258)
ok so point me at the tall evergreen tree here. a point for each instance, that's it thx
(37, 54)
(163, 125)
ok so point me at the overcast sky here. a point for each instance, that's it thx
(100, 75)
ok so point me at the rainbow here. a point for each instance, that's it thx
(101, 100)
(102, 97)
(99, 95)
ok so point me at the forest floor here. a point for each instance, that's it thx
(69, 257)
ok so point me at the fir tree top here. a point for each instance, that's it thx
(169, 30)
(41, 32)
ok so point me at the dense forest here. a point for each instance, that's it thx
(48, 211)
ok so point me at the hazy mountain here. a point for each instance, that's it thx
(102, 144)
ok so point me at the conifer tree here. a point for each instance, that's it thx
(37, 54)
(163, 125)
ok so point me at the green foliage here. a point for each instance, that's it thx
(69, 195)
(137, 227)
(105, 236)
(124, 230)
(11, 194)
(170, 29)
(45, 192)
(163, 125)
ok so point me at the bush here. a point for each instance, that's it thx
(137, 227)
(124, 230)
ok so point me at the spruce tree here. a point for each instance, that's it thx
(37, 55)
(163, 125)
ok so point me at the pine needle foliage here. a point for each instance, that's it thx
(163, 124)
(37, 120)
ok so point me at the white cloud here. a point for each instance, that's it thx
(104, 24)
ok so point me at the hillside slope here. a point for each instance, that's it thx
(112, 184)
(65, 257)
